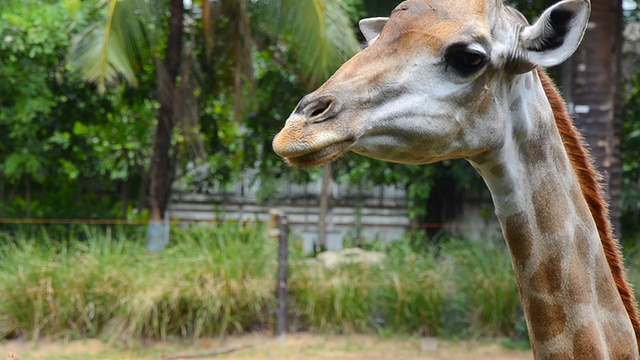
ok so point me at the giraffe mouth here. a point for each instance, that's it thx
(321, 156)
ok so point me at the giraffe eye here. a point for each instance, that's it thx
(465, 61)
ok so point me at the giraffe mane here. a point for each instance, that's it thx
(592, 190)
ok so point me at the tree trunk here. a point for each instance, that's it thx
(592, 90)
(161, 162)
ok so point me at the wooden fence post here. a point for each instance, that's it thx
(281, 289)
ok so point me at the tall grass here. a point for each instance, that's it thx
(210, 282)
(333, 300)
(417, 293)
(485, 278)
(214, 280)
(464, 289)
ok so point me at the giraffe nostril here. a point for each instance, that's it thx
(320, 109)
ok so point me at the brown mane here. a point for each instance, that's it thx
(593, 193)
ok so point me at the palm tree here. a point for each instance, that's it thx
(592, 85)
(115, 47)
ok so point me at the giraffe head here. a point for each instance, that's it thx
(433, 83)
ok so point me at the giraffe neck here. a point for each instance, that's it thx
(569, 296)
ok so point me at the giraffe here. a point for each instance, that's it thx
(463, 79)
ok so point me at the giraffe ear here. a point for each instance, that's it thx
(372, 27)
(555, 36)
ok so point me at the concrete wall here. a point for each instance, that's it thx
(355, 213)
(372, 212)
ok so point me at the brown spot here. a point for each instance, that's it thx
(547, 320)
(578, 285)
(516, 104)
(608, 296)
(551, 208)
(622, 344)
(587, 344)
(547, 279)
(534, 152)
(498, 171)
(580, 273)
(517, 231)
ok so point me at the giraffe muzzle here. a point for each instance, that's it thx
(307, 138)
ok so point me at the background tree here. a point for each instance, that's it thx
(67, 150)
(63, 151)
(320, 31)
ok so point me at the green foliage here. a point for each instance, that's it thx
(632, 263)
(31, 41)
(320, 31)
(630, 150)
(126, 29)
(62, 146)
(531, 9)
(66, 151)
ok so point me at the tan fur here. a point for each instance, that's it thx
(592, 191)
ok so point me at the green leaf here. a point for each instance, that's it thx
(113, 47)
(80, 129)
(72, 6)
(19, 164)
(320, 32)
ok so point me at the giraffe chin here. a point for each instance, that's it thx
(320, 157)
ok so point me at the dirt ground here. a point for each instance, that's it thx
(264, 346)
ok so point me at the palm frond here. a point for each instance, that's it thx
(319, 31)
(114, 47)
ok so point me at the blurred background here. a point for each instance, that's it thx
(130, 127)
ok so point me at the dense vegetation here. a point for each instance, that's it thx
(217, 280)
